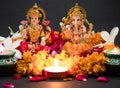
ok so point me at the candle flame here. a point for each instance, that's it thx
(115, 50)
(55, 63)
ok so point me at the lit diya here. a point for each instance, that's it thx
(113, 56)
(56, 71)
(113, 61)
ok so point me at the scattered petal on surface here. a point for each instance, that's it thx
(81, 77)
(37, 78)
(8, 85)
(102, 79)
(16, 77)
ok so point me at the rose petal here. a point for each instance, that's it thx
(46, 23)
(37, 78)
(16, 77)
(23, 46)
(8, 85)
(81, 75)
(97, 49)
(53, 53)
(102, 79)
(46, 48)
(81, 79)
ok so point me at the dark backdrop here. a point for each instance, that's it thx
(104, 14)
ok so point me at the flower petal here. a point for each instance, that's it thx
(2, 38)
(16, 43)
(37, 78)
(8, 85)
(18, 54)
(8, 43)
(46, 23)
(102, 79)
(53, 53)
(81, 77)
(16, 77)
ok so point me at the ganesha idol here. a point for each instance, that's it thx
(35, 31)
(75, 29)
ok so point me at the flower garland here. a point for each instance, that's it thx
(32, 64)
(93, 64)
(94, 39)
(35, 64)
(77, 49)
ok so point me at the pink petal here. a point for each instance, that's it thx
(102, 79)
(81, 77)
(8, 85)
(16, 77)
(37, 78)
(46, 23)
(53, 53)
(97, 49)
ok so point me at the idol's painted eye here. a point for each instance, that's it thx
(34, 18)
(78, 19)
(73, 20)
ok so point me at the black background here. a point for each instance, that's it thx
(104, 14)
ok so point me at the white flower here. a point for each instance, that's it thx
(2, 38)
(16, 35)
(67, 26)
(61, 23)
(9, 45)
(20, 26)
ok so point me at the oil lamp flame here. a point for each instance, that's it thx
(115, 51)
(55, 63)
(56, 68)
(56, 71)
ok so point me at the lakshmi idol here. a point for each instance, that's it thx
(35, 30)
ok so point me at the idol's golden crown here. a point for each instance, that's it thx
(75, 10)
(36, 11)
